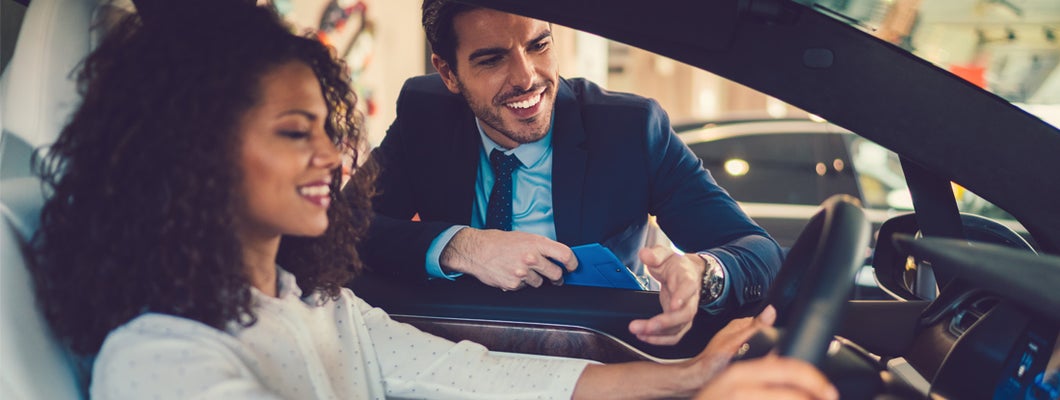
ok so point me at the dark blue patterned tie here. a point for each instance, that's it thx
(499, 209)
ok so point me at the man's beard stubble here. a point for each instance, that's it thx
(487, 115)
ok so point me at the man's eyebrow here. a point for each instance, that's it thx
(492, 51)
(489, 51)
(541, 37)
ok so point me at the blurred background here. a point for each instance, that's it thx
(1009, 47)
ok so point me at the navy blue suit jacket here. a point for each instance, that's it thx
(615, 160)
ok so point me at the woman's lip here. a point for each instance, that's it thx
(322, 201)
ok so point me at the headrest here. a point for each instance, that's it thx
(39, 91)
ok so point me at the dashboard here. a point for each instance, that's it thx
(993, 331)
(1032, 370)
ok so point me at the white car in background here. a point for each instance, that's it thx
(781, 170)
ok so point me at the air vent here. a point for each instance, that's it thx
(969, 313)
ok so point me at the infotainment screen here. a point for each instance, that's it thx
(1032, 371)
(1048, 382)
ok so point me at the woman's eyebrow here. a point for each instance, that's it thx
(311, 116)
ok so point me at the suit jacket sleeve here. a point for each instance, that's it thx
(396, 245)
(698, 215)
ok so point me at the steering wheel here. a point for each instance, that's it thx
(817, 276)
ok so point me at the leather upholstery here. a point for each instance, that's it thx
(38, 95)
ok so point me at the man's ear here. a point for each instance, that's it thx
(447, 73)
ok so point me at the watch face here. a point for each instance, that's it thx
(713, 281)
(715, 286)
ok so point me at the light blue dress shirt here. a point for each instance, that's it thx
(531, 195)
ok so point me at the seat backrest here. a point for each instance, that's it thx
(32, 363)
(39, 91)
(38, 95)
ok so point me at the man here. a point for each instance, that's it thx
(585, 165)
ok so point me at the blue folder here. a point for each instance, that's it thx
(598, 266)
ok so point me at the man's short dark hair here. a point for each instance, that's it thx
(438, 18)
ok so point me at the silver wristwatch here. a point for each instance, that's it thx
(713, 280)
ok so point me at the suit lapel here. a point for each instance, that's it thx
(462, 160)
(568, 166)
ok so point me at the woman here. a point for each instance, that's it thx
(197, 239)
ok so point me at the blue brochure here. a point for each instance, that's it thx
(598, 266)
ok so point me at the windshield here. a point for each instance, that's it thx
(1009, 47)
(756, 146)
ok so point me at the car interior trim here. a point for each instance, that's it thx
(1026, 277)
(901, 368)
(528, 338)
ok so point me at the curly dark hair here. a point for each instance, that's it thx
(438, 18)
(144, 178)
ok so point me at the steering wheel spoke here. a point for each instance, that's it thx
(817, 277)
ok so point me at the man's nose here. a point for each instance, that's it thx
(521, 74)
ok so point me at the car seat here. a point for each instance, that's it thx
(38, 95)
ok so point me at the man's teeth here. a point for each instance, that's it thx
(526, 103)
(313, 191)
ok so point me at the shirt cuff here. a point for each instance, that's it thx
(434, 254)
(717, 306)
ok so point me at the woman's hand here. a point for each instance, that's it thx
(769, 377)
(724, 345)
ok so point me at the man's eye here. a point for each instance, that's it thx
(540, 46)
(490, 61)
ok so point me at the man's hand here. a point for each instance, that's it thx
(507, 260)
(681, 278)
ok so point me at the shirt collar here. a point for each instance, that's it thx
(286, 284)
(528, 153)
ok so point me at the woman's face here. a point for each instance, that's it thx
(286, 156)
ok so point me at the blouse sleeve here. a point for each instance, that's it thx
(160, 364)
(416, 364)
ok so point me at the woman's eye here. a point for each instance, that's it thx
(295, 134)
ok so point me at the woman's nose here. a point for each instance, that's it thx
(326, 154)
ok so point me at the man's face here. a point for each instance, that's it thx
(506, 70)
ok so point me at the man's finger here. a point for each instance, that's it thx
(533, 279)
(662, 324)
(676, 318)
(558, 252)
(548, 270)
(653, 257)
(661, 339)
(512, 285)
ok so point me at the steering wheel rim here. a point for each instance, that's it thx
(832, 249)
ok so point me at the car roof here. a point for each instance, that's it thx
(952, 128)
